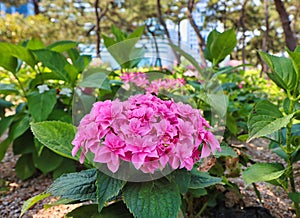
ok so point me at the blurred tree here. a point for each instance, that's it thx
(256, 23)
(290, 36)
(200, 39)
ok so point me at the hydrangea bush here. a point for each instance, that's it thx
(146, 131)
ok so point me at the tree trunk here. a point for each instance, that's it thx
(162, 22)
(290, 39)
(98, 28)
(200, 40)
(242, 22)
(99, 16)
(36, 7)
(266, 34)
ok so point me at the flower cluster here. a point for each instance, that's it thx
(146, 131)
(140, 79)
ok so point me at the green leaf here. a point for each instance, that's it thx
(40, 105)
(25, 167)
(202, 180)
(57, 63)
(231, 124)
(197, 193)
(107, 187)
(66, 166)
(115, 210)
(24, 144)
(57, 136)
(295, 197)
(24, 54)
(122, 51)
(8, 62)
(7, 88)
(108, 41)
(120, 36)
(58, 202)
(182, 178)
(62, 46)
(96, 80)
(226, 151)
(34, 44)
(262, 172)
(4, 146)
(138, 32)
(284, 74)
(18, 127)
(32, 201)
(190, 58)
(59, 114)
(295, 57)
(47, 161)
(79, 186)
(218, 103)
(5, 123)
(159, 198)
(265, 118)
(82, 62)
(222, 45)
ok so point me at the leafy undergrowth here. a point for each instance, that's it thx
(14, 191)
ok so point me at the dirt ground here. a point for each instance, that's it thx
(13, 191)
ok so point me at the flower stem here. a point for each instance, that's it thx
(290, 150)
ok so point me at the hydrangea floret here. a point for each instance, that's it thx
(147, 131)
(140, 80)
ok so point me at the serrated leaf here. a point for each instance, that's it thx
(262, 172)
(32, 201)
(294, 196)
(57, 136)
(25, 167)
(265, 119)
(107, 187)
(284, 74)
(40, 105)
(79, 186)
(202, 180)
(159, 198)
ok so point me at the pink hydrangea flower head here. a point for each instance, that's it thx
(146, 131)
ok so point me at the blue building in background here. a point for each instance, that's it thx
(25, 9)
